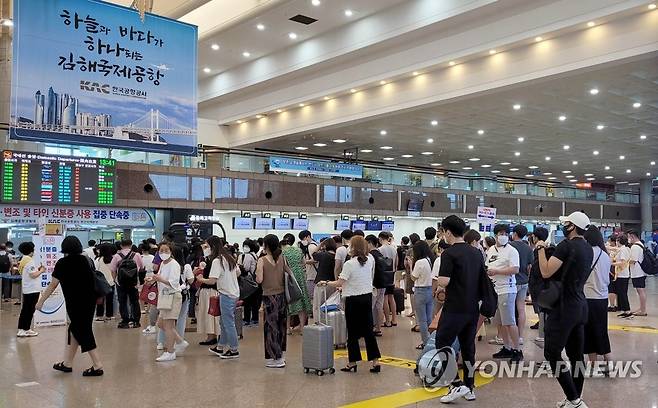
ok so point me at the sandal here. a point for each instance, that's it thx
(388, 325)
(61, 367)
(394, 324)
(415, 329)
(638, 314)
(377, 333)
(92, 372)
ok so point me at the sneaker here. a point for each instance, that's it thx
(280, 363)
(230, 354)
(539, 340)
(21, 333)
(455, 393)
(520, 341)
(166, 356)
(612, 309)
(517, 356)
(134, 325)
(210, 342)
(123, 325)
(160, 346)
(496, 340)
(470, 396)
(503, 353)
(216, 351)
(579, 403)
(150, 330)
(100, 319)
(31, 333)
(562, 403)
(535, 326)
(180, 347)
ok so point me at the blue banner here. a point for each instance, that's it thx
(316, 167)
(92, 73)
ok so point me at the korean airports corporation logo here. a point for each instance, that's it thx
(95, 87)
(437, 368)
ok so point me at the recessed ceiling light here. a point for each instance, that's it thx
(430, 140)
(206, 70)
(239, 122)
(383, 132)
(301, 148)
(407, 156)
(339, 140)
(452, 63)
(260, 27)
(622, 157)
(366, 151)
(595, 152)
(573, 181)
(529, 175)
(467, 168)
(591, 178)
(552, 178)
(513, 169)
(492, 52)
(486, 166)
(259, 116)
(480, 132)
(517, 154)
(301, 105)
(547, 158)
(628, 171)
(353, 90)
(435, 164)
(495, 171)
(588, 174)
(637, 105)
(600, 127)
(246, 54)
(434, 123)
(326, 98)
(454, 162)
(389, 158)
(575, 162)
(474, 159)
(594, 91)
(386, 147)
(292, 36)
(279, 111)
(609, 177)
(591, 24)
(643, 137)
(569, 176)
(215, 47)
(533, 167)
(415, 73)
(348, 13)
(653, 163)
(651, 6)
(471, 147)
(566, 147)
(607, 167)
(316, 2)
(516, 107)
(547, 173)
(427, 153)
(521, 139)
(561, 118)
(566, 171)
(505, 163)
(648, 174)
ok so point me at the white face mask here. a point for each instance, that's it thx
(206, 252)
(502, 240)
(246, 250)
(3, 253)
(165, 256)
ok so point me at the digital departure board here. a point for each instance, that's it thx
(38, 178)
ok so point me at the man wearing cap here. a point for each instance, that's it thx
(571, 263)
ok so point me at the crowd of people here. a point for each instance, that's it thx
(443, 274)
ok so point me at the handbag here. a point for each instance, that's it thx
(213, 306)
(248, 286)
(149, 294)
(292, 290)
(165, 300)
(102, 287)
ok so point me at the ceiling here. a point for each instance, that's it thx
(245, 36)
(168, 8)
(536, 121)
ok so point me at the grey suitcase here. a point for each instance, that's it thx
(318, 348)
(336, 319)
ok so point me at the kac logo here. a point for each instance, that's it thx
(94, 87)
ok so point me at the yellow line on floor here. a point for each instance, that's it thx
(634, 329)
(407, 397)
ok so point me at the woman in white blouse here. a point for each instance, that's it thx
(355, 282)
(421, 274)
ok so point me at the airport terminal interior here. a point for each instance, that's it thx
(328, 203)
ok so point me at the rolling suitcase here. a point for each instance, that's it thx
(398, 295)
(336, 319)
(318, 347)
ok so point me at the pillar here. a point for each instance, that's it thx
(5, 63)
(645, 204)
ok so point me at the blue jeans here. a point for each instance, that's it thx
(180, 322)
(228, 333)
(424, 308)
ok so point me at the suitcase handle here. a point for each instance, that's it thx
(326, 313)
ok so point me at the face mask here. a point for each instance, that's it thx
(206, 252)
(3, 253)
(164, 257)
(502, 240)
(246, 250)
(566, 230)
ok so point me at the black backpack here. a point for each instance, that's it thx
(649, 262)
(402, 253)
(5, 263)
(535, 281)
(384, 274)
(488, 295)
(127, 271)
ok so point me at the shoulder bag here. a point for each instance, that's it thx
(292, 290)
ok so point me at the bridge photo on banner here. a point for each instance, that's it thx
(93, 73)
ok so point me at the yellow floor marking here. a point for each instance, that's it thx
(634, 329)
(406, 397)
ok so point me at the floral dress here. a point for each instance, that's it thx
(295, 259)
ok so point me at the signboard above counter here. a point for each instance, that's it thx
(315, 167)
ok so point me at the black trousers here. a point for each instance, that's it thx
(623, 305)
(6, 288)
(252, 306)
(107, 307)
(565, 330)
(462, 326)
(128, 304)
(27, 310)
(191, 313)
(358, 318)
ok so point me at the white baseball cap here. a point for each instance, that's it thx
(579, 219)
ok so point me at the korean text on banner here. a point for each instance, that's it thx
(115, 217)
(47, 253)
(90, 72)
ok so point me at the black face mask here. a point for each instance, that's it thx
(567, 230)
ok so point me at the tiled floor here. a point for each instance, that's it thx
(198, 379)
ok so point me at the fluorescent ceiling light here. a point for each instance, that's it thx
(301, 148)
(386, 147)
(320, 145)
(427, 153)
(339, 140)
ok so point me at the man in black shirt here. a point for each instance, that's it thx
(565, 323)
(461, 269)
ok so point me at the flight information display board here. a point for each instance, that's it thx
(38, 178)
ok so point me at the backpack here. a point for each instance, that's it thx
(402, 253)
(384, 274)
(102, 287)
(127, 271)
(535, 281)
(488, 295)
(649, 262)
(5, 263)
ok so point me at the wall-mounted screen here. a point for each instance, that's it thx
(282, 224)
(36, 178)
(300, 223)
(243, 223)
(264, 223)
(373, 226)
(341, 225)
(388, 225)
(358, 225)
(415, 204)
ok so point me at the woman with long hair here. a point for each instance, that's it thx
(248, 262)
(270, 273)
(355, 280)
(422, 276)
(205, 323)
(103, 260)
(224, 273)
(295, 259)
(623, 273)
